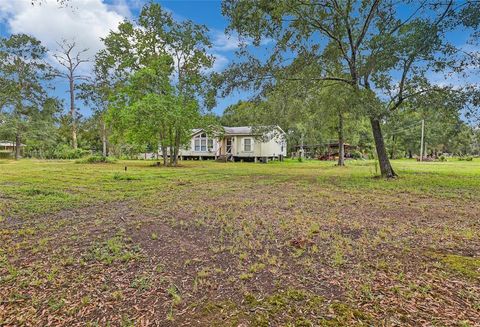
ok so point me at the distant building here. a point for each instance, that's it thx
(324, 151)
(8, 148)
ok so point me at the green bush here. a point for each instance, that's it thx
(96, 159)
(128, 157)
(466, 158)
(5, 155)
(356, 155)
(66, 152)
(442, 158)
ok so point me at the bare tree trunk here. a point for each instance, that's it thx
(71, 61)
(104, 139)
(341, 141)
(164, 155)
(172, 150)
(171, 141)
(177, 148)
(392, 152)
(72, 112)
(18, 144)
(385, 166)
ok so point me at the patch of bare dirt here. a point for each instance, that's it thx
(184, 258)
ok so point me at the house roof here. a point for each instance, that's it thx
(238, 130)
(8, 143)
(241, 130)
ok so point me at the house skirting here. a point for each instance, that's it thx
(264, 159)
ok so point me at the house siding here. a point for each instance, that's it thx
(271, 147)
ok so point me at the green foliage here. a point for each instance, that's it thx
(309, 111)
(445, 132)
(243, 114)
(147, 111)
(366, 46)
(65, 151)
(154, 34)
(155, 103)
(356, 155)
(5, 155)
(96, 159)
(25, 108)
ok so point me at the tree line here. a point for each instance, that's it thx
(354, 71)
(146, 89)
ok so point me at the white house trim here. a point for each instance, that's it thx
(237, 143)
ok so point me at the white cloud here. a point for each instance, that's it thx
(228, 42)
(125, 7)
(220, 62)
(224, 42)
(122, 7)
(85, 21)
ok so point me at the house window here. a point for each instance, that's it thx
(210, 144)
(247, 145)
(201, 142)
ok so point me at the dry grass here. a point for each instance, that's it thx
(303, 244)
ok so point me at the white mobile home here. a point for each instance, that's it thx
(237, 143)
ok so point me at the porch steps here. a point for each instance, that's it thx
(224, 158)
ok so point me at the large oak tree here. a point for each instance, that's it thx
(386, 48)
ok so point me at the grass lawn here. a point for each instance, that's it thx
(239, 244)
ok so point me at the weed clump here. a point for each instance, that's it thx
(467, 266)
(289, 303)
(96, 160)
(113, 250)
(124, 177)
(39, 192)
(142, 283)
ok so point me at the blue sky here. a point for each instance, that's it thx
(209, 13)
(88, 20)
